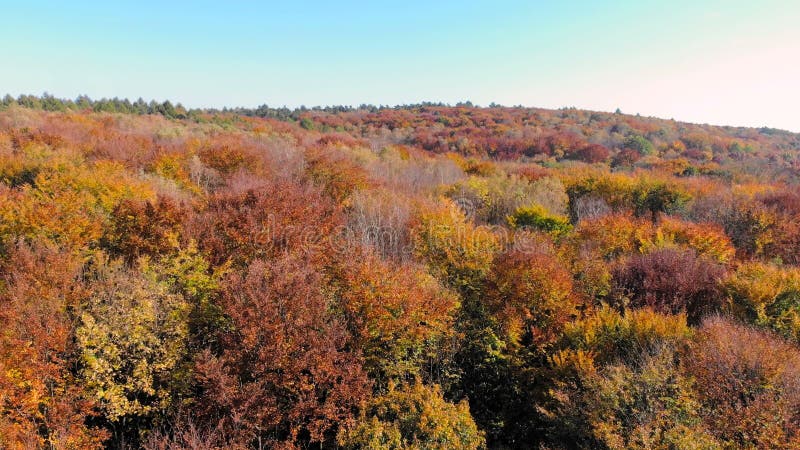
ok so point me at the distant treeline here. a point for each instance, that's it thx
(48, 102)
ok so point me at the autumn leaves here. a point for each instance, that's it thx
(236, 282)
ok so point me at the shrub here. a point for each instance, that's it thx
(613, 235)
(612, 337)
(142, 227)
(706, 239)
(336, 173)
(132, 335)
(456, 251)
(536, 218)
(281, 373)
(615, 384)
(671, 281)
(655, 198)
(410, 417)
(645, 404)
(530, 294)
(397, 313)
(766, 295)
(748, 384)
(593, 153)
(264, 221)
(41, 403)
(640, 144)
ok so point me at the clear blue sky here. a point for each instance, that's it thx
(723, 62)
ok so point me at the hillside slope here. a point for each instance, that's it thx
(419, 277)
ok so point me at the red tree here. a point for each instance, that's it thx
(749, 385)
(671, 280)
(282, 375)
(265, 221)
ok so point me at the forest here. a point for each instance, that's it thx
(417, 277)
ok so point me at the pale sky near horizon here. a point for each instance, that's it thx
(720, 62)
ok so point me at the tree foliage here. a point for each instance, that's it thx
(42, 404)
(762, 371)
(420, 276)
(671, 281)
(530, 294)
(398, 315)
(413, 417)
(132, 335)
(282, 373)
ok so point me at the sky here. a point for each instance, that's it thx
(721, 62)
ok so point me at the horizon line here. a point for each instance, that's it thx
(380, 106)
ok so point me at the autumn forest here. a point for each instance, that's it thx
(415, 277)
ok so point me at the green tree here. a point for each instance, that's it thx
(536, 218)
(639, 144)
